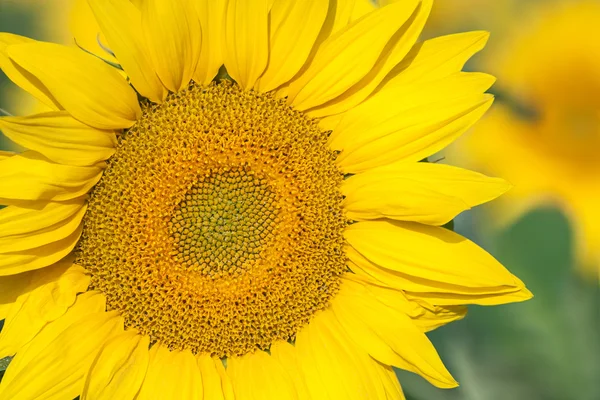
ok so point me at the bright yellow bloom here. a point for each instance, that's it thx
(548, 147)
(270, 237)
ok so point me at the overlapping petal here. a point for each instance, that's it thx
(119, 369)
(174, 39)
(260, 376)
(28, 177)
(88, 88)
(121, 23)
(50, 292)
(171, 375)
(20, 76)
(345, 58)
(44, 369)
(387, 335)
(431, 260)
(292, 37)
(60, 138)
(420, 192)
(246, 40)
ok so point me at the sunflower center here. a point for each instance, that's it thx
(224, 221)
(217, 225)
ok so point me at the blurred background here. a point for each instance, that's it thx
(543, 135)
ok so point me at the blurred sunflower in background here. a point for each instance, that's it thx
(544, 137)
(227, 201)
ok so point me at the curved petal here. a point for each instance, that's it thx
(436, 58)
(43, 231)
(18, 221)
(119, 369)
(171, 375)
(333, 366)
(50, 293)
(428, 259)
(21, 77)
(212, 20)
(174, 40)
(258, 376)
(246, 42)
(393, 53)
(6, 154)
(17, 262)
(121, 22)
(387, 335)
(212, 385)
(424, 315)
(390, 383)
(292, 36)
(27, 176)
(91, 90)
(86, 31)
(423, 120)
(420, 192)
(11, 287)
(347, 57)
(287, 356)
(45, 368)
(60, 138)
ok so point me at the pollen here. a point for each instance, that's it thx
(217, 225)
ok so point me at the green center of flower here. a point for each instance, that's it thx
(217, 225)
(223, 222)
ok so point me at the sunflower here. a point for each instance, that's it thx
(268, 233)
(550, 123)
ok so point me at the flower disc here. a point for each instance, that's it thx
(217, 226)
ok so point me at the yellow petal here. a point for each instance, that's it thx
(390, 383)
(173, 39)
(333, 366)
(60, 138)
(246, 42)
(39, 257)
(171, 375)
(396, 49)
(86, 31)
(361, 8)
(291, 40)
(19, 76)
(54, 364)
(50, 293)
(6, 154)
(28, 176)
(258, 376)
(344, 11)
(212, 19)
(119, 368)
(226, 384)
(211, 378)
(121, 22)
(421, 192)
(410, 112)
(377, 113)
(387, 335)
(436, 58)
(428, 259)
(11, 287)
(88, 88)
(424, 315)
(287, 356)
(28, 228)
(347, 57)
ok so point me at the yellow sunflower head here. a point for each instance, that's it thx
(549, 124)
(227, 202)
